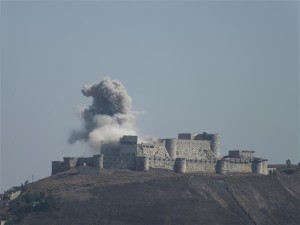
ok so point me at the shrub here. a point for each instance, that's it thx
(33, 202)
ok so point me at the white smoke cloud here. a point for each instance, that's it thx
(109, 117)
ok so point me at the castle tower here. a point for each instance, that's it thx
(215, 144)
(128, 144)
(221, 167)
(180, 165)
(265, 166)
(171, 147)
(98, 161)
(142, 163)
(215, 141)
(70, 162)
(257, 167)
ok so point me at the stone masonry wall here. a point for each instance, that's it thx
(237, 166)
(58, 167)
(207, 166)
(119, 162)
(88, 161)
(88, 170)
(156, 149)
(162, 163)
(194, 149)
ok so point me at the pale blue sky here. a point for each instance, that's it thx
(230, 67)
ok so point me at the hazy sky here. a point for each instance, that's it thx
(228, 67)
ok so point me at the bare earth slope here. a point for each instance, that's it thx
(162, 197)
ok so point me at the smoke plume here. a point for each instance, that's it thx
(109, 117)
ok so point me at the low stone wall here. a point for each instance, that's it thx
(207, 166)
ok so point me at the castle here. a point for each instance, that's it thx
(187, 153)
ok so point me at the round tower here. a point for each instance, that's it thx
(257, 166)
(142, 163)
(265, 166)
(180, 165)
(215, 144)
(98, 161)
(221, 166)
(171, 147)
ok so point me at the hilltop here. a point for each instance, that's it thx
(124, 197)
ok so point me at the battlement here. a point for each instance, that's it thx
(245, 154)
(128, 139)
(186, 136)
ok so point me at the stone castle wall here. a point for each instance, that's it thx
(58, 167)
(206, 166)
(234, 166)
(187, 153)
(162, 163)
(119, 162)
(190, 146)
(153, 149)
(130, 162)
(88, 170)
(193, 149)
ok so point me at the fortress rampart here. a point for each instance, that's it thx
(187, 153)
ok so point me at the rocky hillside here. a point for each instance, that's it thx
(160, 197)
